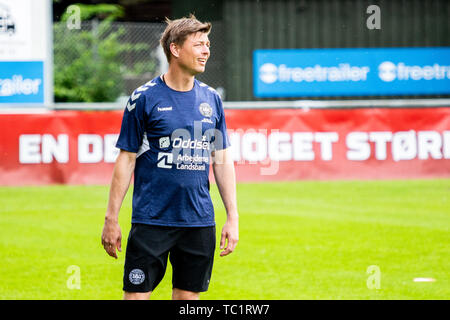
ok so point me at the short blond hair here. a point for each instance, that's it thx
(178, 30)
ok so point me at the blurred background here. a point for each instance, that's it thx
(239, 28)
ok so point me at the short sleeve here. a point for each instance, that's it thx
(132, 129)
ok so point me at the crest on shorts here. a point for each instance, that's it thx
(136, 276)
(205, 109)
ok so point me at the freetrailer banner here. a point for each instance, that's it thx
(351, 72)
(78, 147)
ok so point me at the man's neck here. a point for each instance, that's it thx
(178, 80)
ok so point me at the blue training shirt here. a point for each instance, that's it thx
(173, 133)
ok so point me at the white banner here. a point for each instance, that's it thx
(26, 36)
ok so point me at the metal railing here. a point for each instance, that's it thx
(104, 61)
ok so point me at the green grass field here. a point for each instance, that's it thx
(299, 240)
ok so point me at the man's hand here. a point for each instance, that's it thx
(112, 237)
(122, 173)
(223, 168)
(230, 232)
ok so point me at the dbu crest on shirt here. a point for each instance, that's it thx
(205, 109)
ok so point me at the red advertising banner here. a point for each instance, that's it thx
(73, 147)
(293, 144)
(78, 147)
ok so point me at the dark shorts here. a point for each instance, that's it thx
(189, 249)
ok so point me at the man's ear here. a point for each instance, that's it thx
(174, 50)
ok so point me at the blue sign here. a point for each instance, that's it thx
(351, 72)
(21, 82)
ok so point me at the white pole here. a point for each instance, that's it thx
(48, 62)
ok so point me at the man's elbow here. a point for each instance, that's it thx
(126, 159)
(222, 157)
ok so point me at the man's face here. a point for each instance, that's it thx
(194, 53)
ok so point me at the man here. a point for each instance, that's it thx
(171, 129)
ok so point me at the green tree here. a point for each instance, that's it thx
(87, 64)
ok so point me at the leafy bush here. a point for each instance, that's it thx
(87, 64)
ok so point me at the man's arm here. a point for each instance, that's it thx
(223, 169)
(123, 171)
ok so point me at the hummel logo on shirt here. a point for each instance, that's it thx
(164, 108)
